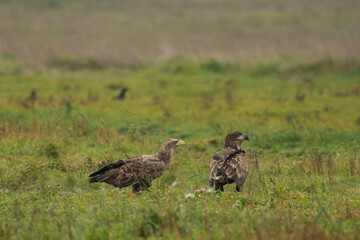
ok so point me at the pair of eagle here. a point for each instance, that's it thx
(227, 166)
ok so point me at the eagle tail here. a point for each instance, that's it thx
(100, 177)
(93, 179)
(102, 174)
(211, 182)
(108, 167)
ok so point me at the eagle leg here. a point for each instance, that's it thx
(140, 186)
(219, 186)
(239, 188)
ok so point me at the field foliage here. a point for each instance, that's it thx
(287, 73)
(303, 122)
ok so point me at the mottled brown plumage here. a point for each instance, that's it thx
(229, 165)
(137, 171)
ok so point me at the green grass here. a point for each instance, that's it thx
(291, 83)
(303, 121)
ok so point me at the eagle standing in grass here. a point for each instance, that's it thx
(230, 164)
(137, 171)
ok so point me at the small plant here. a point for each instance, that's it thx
(74, 64)
(207, 101)
(317, 163)
(330, 166)
(352, 165)
(51, 151)
(229, 97)
(150, 224)
(300, 97)
(68, 106)
(215, 66)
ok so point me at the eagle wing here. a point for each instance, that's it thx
(124, 173)
(114, 165)
(224, 154)
(240, 164)
(223, 166)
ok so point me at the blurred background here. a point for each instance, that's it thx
(51, 33)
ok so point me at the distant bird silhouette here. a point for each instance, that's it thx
(32, 97)
(121, 96)
(29, 102)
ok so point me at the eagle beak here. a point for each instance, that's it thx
(246, 137)
(180, 143)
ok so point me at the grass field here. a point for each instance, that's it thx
(303, 123)
(286, 73)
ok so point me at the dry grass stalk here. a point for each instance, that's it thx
(352, 165)
(330, 167)
(317, 163)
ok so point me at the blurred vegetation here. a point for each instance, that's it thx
(108, 33)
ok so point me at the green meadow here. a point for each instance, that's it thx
(302, 120)
(286, 73)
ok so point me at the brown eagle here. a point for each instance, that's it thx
(137, 171)
(230, 164)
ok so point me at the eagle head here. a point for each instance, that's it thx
(172, 143)
(234, 139)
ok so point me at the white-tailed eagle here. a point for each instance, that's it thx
(137, 171)
(229, 165)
